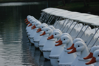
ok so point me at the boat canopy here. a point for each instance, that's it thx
(79, 17)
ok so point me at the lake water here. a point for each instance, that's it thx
(15, 49)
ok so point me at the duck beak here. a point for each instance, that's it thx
(30, 25)
(43, 33)
(27, 22)
(71, 47)
(50, 37)
(38, 30)
(93, 60)
(89, 56)
(33, 27)
(74, 50)
(59, 43)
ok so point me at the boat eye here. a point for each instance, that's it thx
(55, 33)
(98, 55)
(64, 39)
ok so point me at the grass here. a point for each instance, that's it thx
(79, 7)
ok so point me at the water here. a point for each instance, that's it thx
(15, 49)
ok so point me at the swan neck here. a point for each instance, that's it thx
(84, 53)
(69, 44)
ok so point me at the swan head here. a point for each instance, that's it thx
(78, 47)
(41, 27)
(36, 25)
(61, 36)
(52, 27)
(65, 39)
(32, 22)
(56, 34)
(74, 41)
(91, 52)
(47, 30)
(95, 58)
(28, 17)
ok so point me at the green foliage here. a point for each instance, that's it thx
(79, 6)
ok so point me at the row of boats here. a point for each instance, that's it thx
(67, 42)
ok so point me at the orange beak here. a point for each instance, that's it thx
(71, 47)
(59, 43)
(38, 30)
(74, 50)
(93, 60)
(89, 56)
(33, 27)
(43, 33)
(50, 37)
(30, 24)
(27, 22)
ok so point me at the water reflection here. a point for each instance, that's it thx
(15, 49)
(38, 57)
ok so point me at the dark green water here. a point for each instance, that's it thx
(15, 49)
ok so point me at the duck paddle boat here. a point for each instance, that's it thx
(66, 59)
(54, 55)
(39, 31)
(95, 58)
(82, 51)
(33, 31)
(47, 32)
(94, 48)
(50, 43)
(30, 21)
